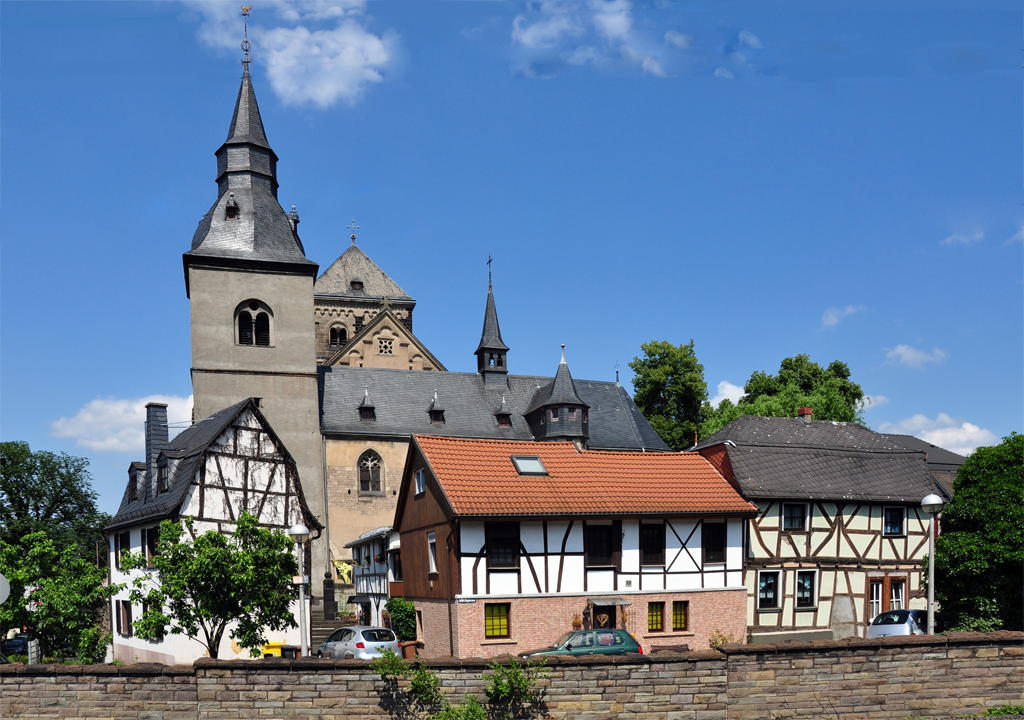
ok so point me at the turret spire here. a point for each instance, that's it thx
(492, 352)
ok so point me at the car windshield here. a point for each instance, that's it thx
(378, 635)
(562, 640)
(895, 617)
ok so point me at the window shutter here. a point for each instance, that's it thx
(263, 329)
(244, 328)
(117, 603)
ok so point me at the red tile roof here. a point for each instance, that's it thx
(479, 478)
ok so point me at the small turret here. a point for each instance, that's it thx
(492, 353)
(556, 411)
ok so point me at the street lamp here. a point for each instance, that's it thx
(300, 534)
(932, 504)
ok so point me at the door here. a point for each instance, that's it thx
(604, 617)
(342, 647)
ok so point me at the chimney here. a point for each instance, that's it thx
(805, 415)
(156, 437)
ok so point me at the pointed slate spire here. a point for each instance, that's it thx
(563, 391)
(246, 123)
(556, 411)
(492, 352)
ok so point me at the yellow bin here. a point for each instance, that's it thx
(272, 649)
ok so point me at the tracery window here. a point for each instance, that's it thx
(385, 346)
(370, 466)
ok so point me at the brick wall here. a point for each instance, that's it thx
(892, 678)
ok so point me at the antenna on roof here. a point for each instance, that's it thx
(353, 227)
(246, 45)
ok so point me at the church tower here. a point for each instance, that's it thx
(492, 352)
(250, 289)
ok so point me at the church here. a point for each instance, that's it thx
(327, 367)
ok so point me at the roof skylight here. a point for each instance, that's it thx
(529, 465)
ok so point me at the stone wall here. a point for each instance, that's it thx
(849, 680)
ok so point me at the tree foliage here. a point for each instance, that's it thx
(55, 593)
(203, 585)
(979, 555)
(403, 617)
(670, 391)
(45, 492)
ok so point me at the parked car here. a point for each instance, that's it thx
(361, 642)
(590, 642)
(17, 645)
(899, 622)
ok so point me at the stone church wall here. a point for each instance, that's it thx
(919, 677)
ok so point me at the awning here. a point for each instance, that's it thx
(358, 599)
(609, 601)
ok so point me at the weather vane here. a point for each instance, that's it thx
(246, 45)
(353, 227)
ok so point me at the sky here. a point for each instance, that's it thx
(765, 179)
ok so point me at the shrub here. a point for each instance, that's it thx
(403, 618)
(390, 665)
(92, 646)
(718, 639)
(510, 689)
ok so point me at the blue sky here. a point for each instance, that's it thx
(764, 178)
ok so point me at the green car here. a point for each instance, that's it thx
(590, 642)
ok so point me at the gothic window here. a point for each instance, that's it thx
(385, 346)
(339, 336)
(253, 323)
(370, 466)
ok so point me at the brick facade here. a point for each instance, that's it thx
(935, 677)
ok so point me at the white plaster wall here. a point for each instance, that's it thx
(531, 535)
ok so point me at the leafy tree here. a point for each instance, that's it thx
(800, 383)
(670, 391)
(203, 585)
(979, 556)
(65, 593)
(42, 491)
(403, 617)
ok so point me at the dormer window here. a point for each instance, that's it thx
(366, 413)
(504, 420)
(357, 285)
(163, 483)
(133, 488)
(339, 336)
(231, 209)
(437, 416)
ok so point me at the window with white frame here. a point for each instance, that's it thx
(806, 589)
(897, 594)
(768, 589)
(432, 551)
(421, 481)
(876, 598)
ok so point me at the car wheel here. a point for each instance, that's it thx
(319, 654)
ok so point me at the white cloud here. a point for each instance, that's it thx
(727, 391)
(112, 425)
(547, 32)
(683, 42)
(873, 401)
(964, 238)
(912, 357)
(750, 39)
(946, 432)
(648, 63)
(724, 73)
(1015, 238)
(833, 316)
(613, 18)
(315, 52)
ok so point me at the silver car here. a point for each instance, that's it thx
(358, 641)
(898, 622)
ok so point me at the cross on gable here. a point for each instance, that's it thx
(353, 227)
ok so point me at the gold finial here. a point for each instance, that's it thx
(353, 227)
(246, 45)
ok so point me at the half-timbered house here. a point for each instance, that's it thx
(506, 545)
(229, 463)
(376, 563)
(840, 534)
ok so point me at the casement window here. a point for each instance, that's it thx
(876, 598)
(893, 520)
(502, 545)
(655, 617)
(396, 567)
(680, 613)
(553, 414)
(149, 540)
(163, 481)
(339, 336)
(421, 481)
(886, 593)
(713, 542)
(652, 543)
(806, 589)
(124, 618)
(122, 543)
(432, 551)
(370, 466)
(897, 594)
(768, 590)
(601, 544)
(794, 517)
(496, 620)
(571, 413)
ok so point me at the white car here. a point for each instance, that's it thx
(898, 622)
(361, 642)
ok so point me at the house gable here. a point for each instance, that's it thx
(385, 342)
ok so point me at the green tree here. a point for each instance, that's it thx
(45, 492)
(670, 391)
(799, 383)
(979, 555)
(202, 586)
(56, 593)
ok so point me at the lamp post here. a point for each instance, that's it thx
(300, 534)
(931, 504)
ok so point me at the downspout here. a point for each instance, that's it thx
(328, 571)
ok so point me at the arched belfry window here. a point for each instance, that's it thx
(254, 323)
(370, 466)
(339, 336)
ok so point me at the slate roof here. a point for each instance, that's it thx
(188, 447)
(402, 399)
(939, 459)
(261, 232)
(354, 264)
(490, 338)
(479, 479)
(560, 392)
(821, 460)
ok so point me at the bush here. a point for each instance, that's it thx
(403, 618)
(510, 689)
(390, 665)
(92, 646)
(718, 639)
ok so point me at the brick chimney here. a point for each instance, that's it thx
(156, 438)
(805, 414)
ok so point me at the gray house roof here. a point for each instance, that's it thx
(188, 447)
(820, 460)
(354, 264)
(942, 463)
(560, 392)
(402, 400)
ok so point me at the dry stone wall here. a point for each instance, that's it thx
(848, 680)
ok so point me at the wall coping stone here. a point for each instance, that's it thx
(103, 669)
(1001, 637)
